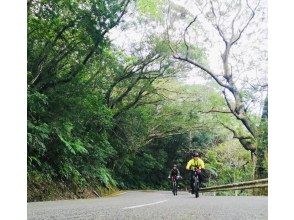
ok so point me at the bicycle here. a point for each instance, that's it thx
(196, 183)
(174, 185)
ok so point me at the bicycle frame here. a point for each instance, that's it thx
(174, 185)
(196, 183)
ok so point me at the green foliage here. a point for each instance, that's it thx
(74, 146)
(231, 163)
(37, 136)
(150, 7)
(105, 177)
(262, 151)
(37, 102)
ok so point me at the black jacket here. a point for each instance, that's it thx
(174, 172)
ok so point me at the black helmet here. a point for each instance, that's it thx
(195, 154)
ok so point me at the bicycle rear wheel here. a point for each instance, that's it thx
(174, 188)
(196, 186)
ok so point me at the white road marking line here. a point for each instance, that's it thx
(138, 206)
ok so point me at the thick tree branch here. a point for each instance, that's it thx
(133, 70)
(246, 141)
(213, 75)
(229, 103)
(78, 67)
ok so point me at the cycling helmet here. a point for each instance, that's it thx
(195, 154)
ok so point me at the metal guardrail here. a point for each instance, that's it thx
(261, 183)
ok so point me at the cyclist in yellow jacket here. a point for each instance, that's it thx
(195, 162)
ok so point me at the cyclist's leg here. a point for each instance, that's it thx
(200, 177)
(192, 181)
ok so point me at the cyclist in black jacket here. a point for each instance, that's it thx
(174, 172)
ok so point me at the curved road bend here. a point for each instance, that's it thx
(153, 205)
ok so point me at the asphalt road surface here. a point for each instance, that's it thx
(153, 205)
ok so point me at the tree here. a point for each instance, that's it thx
(76, 35)
(230, 20)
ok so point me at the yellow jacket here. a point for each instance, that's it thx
(195, 163)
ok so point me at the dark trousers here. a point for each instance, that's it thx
(192, 173)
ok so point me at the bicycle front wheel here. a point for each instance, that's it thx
(174, 188)
(196, 187)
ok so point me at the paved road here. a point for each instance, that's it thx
(153, 205)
